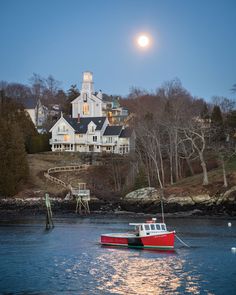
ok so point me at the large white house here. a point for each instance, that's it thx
(88, 130)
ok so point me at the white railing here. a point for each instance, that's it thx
(63, 169)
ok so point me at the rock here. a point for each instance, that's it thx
(229, 194)
(144, 194)
(201, 198)
(180, 200)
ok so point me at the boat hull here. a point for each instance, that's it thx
(162, 241)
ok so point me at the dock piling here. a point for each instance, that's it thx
(49, 221)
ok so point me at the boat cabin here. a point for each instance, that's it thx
(149, 228)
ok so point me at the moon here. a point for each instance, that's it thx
(143, 41)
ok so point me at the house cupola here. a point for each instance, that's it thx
(87, 83)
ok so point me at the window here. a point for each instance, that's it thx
(80, 135)
(163, 227)
(146, 227)
(109, 139)
(62, 128)
(91, 128)
(66, 137)
(95, 138)
(124, 149)
(85, 97)
(85, 109)
(158, 226)
(152, 227)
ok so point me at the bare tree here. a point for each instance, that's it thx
(197, 134)
(226, 105)
(38, 85)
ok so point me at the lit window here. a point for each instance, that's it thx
(85, 109)
(66, 137)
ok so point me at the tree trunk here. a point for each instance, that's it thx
(176, 158)
(204, 170)
(224, 172)
(162, 167)
(187, 160)
(171, 160)
(158, 173)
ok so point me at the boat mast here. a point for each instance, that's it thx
(162, 207)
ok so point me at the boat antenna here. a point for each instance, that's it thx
(162, 207)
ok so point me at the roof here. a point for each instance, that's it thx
(82, 125)
(127, 132)
(113, 130)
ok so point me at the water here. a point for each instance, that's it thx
(69, 260)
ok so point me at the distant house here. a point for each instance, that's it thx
(112, 109)
(37, 111)
(89, 130)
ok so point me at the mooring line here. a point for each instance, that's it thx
(182, 241)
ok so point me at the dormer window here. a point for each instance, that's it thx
(91, 128)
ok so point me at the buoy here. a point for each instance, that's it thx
(229, 224)
(233, 249)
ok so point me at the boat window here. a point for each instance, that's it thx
(141, 227)
(152, 227)
(163, 227)
(146, 227)
(158, 226)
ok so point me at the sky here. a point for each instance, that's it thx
(194, 41)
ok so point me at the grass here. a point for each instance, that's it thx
(40, 163)
(215, 177)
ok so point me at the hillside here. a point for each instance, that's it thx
(100, 178)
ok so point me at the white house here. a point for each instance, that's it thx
(37, 111)
(88, 130)
(87, 104)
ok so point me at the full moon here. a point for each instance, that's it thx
(143, 41)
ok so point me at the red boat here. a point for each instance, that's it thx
(149, 235)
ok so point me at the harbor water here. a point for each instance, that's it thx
(69, 259)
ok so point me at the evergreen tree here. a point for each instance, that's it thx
(205, 112)
(217, 125)
(73, 93)
(13, 162)
(216, 116)
(11, 110)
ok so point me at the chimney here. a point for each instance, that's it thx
(78, 118)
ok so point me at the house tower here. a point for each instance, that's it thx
(87, 84)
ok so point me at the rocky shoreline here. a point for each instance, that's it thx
(146, 200)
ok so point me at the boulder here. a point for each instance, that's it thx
(199, 199)
(143, 194)
(182, 201)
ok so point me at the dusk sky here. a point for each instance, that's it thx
(192, 40)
